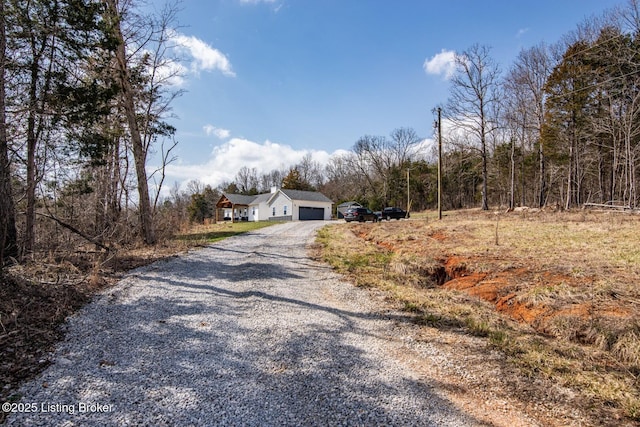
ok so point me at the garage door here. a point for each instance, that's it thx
(307, 214)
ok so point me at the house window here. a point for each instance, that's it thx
(273, 212)
(285, 210)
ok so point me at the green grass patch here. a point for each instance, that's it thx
(216, 232)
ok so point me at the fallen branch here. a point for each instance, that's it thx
(75, 230)
(608, 206)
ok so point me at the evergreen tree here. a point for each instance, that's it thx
(294, 181)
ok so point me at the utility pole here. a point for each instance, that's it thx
(408, 199)
(439, 163)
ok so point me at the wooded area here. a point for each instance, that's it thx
(85, 96)
(558, 127)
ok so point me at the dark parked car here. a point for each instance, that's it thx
(393, 213)
(360, 214)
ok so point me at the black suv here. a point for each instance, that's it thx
(360, 214)
(395, 213)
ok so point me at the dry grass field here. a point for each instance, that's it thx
(556, 292)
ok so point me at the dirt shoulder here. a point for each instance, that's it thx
(36, 298)
(539, 309)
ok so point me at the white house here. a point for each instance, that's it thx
(279, 205)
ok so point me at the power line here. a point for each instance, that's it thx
(594, 85)
(594, 45)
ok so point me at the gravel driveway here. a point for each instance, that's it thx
(249, 331)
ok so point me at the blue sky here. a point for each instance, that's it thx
(267, 82)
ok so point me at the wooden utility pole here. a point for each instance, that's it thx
(408, 199)
(439, 163)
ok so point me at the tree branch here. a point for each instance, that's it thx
(75, 230)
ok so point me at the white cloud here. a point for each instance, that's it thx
(227, 159)
(424, 150)
(203, 56)
(172, 73)
(521, 32)
(256, 1)
(443, 63)
(218, 132)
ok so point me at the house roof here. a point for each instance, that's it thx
(311, 196)
(261, 198)
(240, 199)
(347, 204)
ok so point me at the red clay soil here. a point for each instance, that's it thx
(503, 288)
(497, 288)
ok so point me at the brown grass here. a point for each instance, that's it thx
(569, 277)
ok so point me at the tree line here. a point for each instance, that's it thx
(85, 97)
(560, 126)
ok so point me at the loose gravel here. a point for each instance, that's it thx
(248, 331)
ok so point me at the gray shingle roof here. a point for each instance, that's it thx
(347, 204)
(262, 198)
(240, 199)
(311, 196)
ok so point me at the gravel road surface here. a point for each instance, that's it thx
(248, 331)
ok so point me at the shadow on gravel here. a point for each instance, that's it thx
(198, 270)
(234, 252)
(197, 364)
(217, 345)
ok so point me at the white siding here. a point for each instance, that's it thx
(264, 212)
(279, 202)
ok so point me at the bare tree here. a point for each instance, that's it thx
(342, 180)
(194, 186)
(524, 84)
(311, 171)
(247, 180)
(8, 234)
(371, 162)
(144, 107)
(403, 143)
(474, 100)
(530, 73)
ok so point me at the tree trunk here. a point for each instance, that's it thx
(570, 176)
(139, 151)
(39, 88)
(485, 173)
(512, 191)
(542, 172)
(8, 234)
(30, 214)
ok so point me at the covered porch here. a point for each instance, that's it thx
(238, 205)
